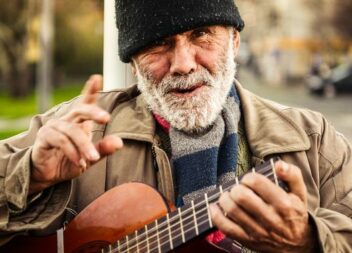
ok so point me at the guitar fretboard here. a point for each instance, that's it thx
(184, 224)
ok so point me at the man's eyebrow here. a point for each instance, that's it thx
(201, 28)
(156, 42)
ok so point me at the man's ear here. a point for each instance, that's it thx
(236, 42)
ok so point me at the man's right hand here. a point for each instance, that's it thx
(63, 147)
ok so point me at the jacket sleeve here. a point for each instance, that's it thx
(333, 217)
(20, 213)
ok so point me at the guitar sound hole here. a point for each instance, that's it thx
(92, 247)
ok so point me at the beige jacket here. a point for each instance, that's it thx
(298, 136)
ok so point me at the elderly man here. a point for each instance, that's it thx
(185, 128)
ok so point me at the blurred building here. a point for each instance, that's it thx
(283, 35)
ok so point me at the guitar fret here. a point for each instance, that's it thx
(137, 242)
(163, 228)
(182, 231)
(212, 195)
(253, 170)
(189, 227)
(195, 218)
(122, 246)
(206, 201)
(273, 169)
(202, 219)
(157, 235)
(147, 236)
(169, 228)
(141, 240)
(127, 244)
(176, 229)
(152, 237)
(115, 245)
(237, 181)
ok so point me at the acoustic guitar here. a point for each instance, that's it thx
(134, 217)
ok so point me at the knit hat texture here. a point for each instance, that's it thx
(142, 22)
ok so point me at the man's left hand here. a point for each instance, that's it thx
(263, 217)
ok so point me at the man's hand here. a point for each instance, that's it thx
(264, 217)
(63, 147)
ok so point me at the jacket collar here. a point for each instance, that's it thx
(131, 119)
(268, 129)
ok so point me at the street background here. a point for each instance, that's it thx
(289, 50)
(337, 110)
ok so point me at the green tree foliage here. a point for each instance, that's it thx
(79, 37)
(14, 68)
(78, 41)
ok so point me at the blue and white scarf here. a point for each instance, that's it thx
(204, 161)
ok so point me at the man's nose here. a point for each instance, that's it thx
(183, 60)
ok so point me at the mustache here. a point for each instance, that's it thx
(170, 83)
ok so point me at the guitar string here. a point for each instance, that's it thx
(161, 232)
(165, 223)
(162, 241)
(162, 225)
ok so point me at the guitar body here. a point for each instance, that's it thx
(117, 213)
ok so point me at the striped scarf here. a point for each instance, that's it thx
(203, 161)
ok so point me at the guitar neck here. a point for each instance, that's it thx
(184, 224)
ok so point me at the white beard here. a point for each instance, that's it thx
(195, 113)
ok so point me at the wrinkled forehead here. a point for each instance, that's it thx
(141, 23)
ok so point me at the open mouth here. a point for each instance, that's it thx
(190, 91)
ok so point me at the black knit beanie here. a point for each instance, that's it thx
(141, 22)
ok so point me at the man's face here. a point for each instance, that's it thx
(186, 78)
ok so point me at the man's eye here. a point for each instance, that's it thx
(199, 33)
(158, 45)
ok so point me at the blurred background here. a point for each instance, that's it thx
(59, 38)
(294, 52)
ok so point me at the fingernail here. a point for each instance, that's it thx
(83, 163)
(94, 155)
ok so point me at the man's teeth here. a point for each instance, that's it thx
(187, 89)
